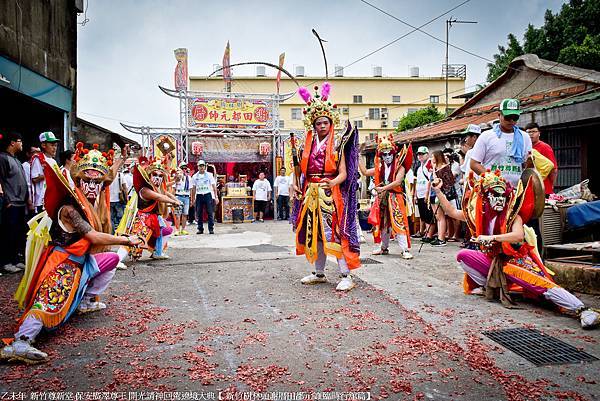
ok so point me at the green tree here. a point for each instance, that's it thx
(571, 36)
(424, 116)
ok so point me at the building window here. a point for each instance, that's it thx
(395, 123)
(358, 123)
(281, 123)
(357, 99)
(434, 99)
(395, 98)
(411, 110)
(372, 136)
(374, 114)
(296, 114)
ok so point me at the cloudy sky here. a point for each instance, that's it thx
(125, 49)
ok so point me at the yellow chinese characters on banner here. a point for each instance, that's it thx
(230, 113)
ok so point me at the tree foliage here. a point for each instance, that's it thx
(424, 116)
(572, 36)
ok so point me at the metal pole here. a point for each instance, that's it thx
(448, 22)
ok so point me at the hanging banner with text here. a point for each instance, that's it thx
(252, 114)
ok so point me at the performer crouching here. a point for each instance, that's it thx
(506, 261)
(68, 275)
(325, 205)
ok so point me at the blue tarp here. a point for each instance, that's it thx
(579, 216)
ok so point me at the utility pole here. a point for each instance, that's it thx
(449, 23)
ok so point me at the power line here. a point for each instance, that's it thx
(109, 118)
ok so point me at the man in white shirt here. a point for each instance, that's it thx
(49, 145)
(472, 133)
(183, 183)
(118, 192)
(27, 169)
(422, 179)
(282, 194)
(128, 179)
(504, 147)
(203, 192)
(261, 189)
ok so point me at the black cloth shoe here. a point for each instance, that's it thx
(199, 232)
(437, 242)
(427, 240)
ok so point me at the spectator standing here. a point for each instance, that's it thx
(282, 194)
(49, 145)
(27, 169)
(546, 150)
(118, 199)
(203, 194)
(443, 171)
(14, 195)
(182, 192)
(261, 190)
(67, 158)
(504, 147)
(471, 133)
(422, 176)
(127, 176)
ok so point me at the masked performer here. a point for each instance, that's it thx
(67, 275)
(324, 213)
(507, 259)
(150, 182)
(388, 214)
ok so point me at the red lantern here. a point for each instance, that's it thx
(197, 148)
(264, 148)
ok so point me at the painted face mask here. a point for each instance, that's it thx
(387, 157)
(156, 179)
(496, 199)
(91, 185)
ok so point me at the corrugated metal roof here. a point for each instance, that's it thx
(567, 101)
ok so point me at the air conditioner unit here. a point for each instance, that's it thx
(367, 115)
(384, 124)
(384, 116)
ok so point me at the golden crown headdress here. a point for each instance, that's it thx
(152, 164)
(493, 180)
(91, 159)
(386, 143)
(319, 106)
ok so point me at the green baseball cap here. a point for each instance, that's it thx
(423, 150)
(48, 136)
(510, 107)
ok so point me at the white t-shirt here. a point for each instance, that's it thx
(39, 188)
(182, 187)
(282, 183)
(27, 170)
(466, 167)
(423, 176)
(115, 187)
(128, 181)
(262, 188)
(494, 153)
(203, 183)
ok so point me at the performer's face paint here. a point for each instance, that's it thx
(387, 157)
(91, 185)
(496, 199)
(156, 178)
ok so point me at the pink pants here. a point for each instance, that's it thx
(107, 262)
(477, 265)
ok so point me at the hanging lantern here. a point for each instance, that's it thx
(197, 148)
(264, 148)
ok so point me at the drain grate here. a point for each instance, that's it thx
(369, 261)
(266, 248)
(539, 349)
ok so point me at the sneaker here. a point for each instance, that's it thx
(313, 279)
(380, 251)
(159, 257)
(427, 240)
(417, 235)
(184, 232)
(589, 319)
(406, 255)
(363, 240)
(438, 243)
(20, 266)
(121, 266)
(200, 232)
(21, 350)
(10, 268)
(345, 284)
(177, 233)
(261, 220)
(211, 232)
(90, 304)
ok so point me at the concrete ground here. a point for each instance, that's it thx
(228, 314)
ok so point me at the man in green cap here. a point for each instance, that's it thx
(49, 145)
(504, 147)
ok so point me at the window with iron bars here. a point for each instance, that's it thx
(357, 99)
(296, 113)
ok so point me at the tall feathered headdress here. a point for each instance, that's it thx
(318, 105)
